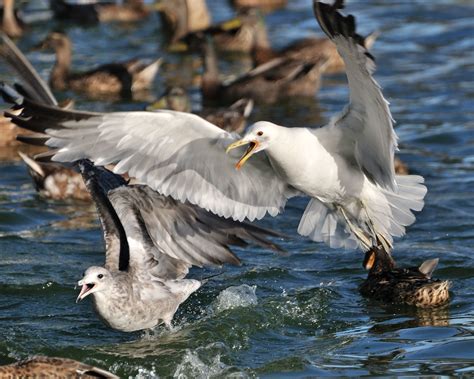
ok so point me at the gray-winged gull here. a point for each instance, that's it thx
(151, 241)
(345, 167)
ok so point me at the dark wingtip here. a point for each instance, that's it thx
(333, 23)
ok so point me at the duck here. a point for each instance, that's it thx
(55, 181)
(109, 79)
(53, 367)
(307, 49)
(267, 83)
(410, 286)
(232, 118)
(151, 241)
(181, 17)
(266, 5)
(401, 168)
(91, 13)
(242, 34)
(11, 24)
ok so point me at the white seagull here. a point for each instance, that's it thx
(151, 241)
(345, 167)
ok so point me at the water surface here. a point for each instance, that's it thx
(306, 317)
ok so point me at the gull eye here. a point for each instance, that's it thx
(100, 276)
(260, 133)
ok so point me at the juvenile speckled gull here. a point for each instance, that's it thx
(151, 241)
(345, 167)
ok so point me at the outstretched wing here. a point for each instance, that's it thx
(152, 233)
(367, 120)
(177, 154)
(98, 182)
(33, 86)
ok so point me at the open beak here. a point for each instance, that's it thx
(85, 290)
(248, 153)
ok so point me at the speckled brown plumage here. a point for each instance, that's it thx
(232, 118)
(412, 286)
(51, 367)
(267, 83)
(55, 181)
(130, 11)
(108, 79)
(267, 5)
(11, 25)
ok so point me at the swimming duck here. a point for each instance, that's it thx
(307, 49)
(181, 17)
(266, 83)
(242, 34)
(55, 181)
(108, 79)
(232, 118)
(90, 13)
(11, 25)
(413, 286)
(266, 5)
(401, 167)
(52, 367)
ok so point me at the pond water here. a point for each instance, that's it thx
(294, 315)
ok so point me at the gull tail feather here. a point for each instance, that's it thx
(322, 224)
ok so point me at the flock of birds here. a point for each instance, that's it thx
(175, 189)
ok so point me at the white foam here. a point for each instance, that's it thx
(236, 296)
(204, 363)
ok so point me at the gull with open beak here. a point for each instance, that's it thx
(346, 167)
(151, 242)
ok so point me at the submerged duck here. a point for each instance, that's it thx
(108, 79)
(52, 367)
(276, 79)
(56, 181)
(413, 286)
(89, 13)
(11, 25)
(232, 118)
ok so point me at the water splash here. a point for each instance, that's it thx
(236, 296)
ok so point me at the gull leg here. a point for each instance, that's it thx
(367, 244)
(380, 238)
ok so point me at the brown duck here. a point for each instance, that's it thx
(412, 286)
(232, 118)
(56, 181)
(181, 17)
(130, 11)
(11, 25)
(109, 79)
(266, 5)
(243, 34)
(51, 367)
(307, 49)
(267, 83)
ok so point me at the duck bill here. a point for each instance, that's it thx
(85, 291)
(253, 145)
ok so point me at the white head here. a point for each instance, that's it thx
(95, 279)
(259, 136)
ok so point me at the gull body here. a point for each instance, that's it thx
(150, 301)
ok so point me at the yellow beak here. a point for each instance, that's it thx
(248, 153)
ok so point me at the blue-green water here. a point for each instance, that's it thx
(309, 319)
